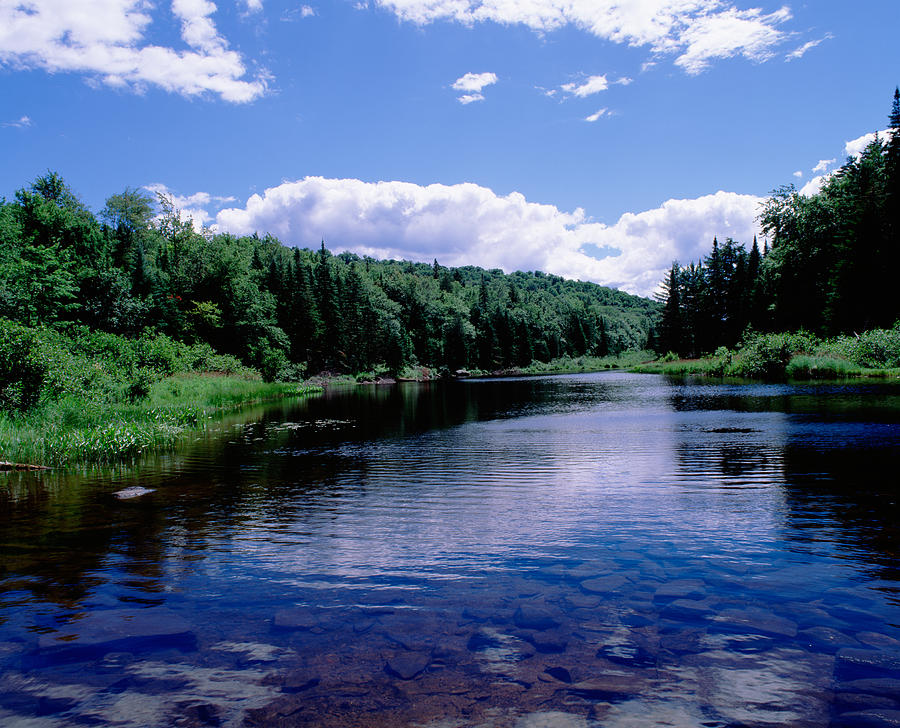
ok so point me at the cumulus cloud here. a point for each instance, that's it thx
(697, 32)
(472, 84)
(853, 149)
(798, 174)
(474, 81)
(66, 35)
(253, 6)
(596, 115)
(814, 185)
(466, 224)
(857, 146)
(193, 208)
(593, 85)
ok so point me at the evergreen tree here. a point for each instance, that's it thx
(670, 331)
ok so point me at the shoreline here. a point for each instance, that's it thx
(74, 431)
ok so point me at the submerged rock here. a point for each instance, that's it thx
(756, 620)
(604, 584)
(295, 618)
(408, 665)
(559, 673)
(134, 491)
(681, 589)
(827, 638)
(117, 630)
(530, 616)
(606, 687)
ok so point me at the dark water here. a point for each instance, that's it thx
(593, 550)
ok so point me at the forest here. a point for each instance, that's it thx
(828, 267)
(138, 268)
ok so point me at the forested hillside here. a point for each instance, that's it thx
(830, 267)
(137, 269)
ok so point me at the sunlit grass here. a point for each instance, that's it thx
(72, 429)
(572, 365)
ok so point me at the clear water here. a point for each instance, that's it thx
(590, 550)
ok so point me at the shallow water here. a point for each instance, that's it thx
(589, 550)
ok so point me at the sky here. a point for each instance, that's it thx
(594, 139)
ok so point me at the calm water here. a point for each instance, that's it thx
(592, 550)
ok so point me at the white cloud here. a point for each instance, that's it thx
(624, 81)
(596, 115)
(593, 85)
(23, 122)
(695, 31)
(191, 208)
(798, 174)
(305, 11)
(466, 224)
(729, 33)
(474, 81)
(857, 146)
(814, 185)
(67, 35)
(823, 164)
(253, 6)
(801, 51)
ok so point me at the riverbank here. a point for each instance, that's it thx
(797, 356)
(74, 430)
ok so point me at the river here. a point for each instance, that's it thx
(585, 550)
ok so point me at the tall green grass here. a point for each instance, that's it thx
(69, 394)
(77, 430)
(586, 363)
(799, 355)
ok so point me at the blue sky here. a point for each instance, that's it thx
(590, 138)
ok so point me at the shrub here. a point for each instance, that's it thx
(763, 356)
(23, 366)
(876, 349)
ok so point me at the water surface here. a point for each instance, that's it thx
(587, 550)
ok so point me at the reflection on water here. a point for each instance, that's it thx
(608, 550)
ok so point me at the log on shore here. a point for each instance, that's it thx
(21, 466)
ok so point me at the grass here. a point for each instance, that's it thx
(72, 429)
(797, 356)
(572, 365)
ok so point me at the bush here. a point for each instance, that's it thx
(876, 349)
(23, 367)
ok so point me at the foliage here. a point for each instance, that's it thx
(879, 348)
(286, 312)
(830, 269)
(72, 428)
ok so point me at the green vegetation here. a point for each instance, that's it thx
(77, 430)
(102, 316)
(72, 394)
(571, 365)
(794, 356)
(830, 270)
(289, 313)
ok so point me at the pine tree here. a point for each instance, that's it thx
(892, 205)
(670, 333)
